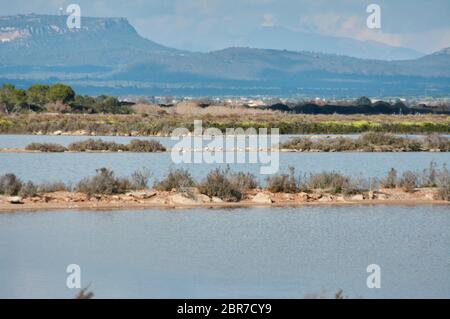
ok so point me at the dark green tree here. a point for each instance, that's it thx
(37, 94)
(60, 93)
(12, 99)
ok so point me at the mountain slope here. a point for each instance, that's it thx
(280, 38)
(46, 40)
(266, 65)
(109, 53)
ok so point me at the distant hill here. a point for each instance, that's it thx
(264, 65)
(46, 40)
(108, 55)
(281, 38)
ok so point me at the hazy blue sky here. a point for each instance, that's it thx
(423, 25)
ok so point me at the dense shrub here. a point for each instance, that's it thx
(145, 146)
(46, 147)
(429, 175)
(59, 93)
(51, 187)
(408, 181)
(357, 186)
(178, 179)
(337, 144)
(298, 143)
(96, 145)
(104, 182)
(369, 142)
(243, 181)
(435, 141)
(100, 145)
(379, 138)
(331, 181)
(28, 189)
(140, 178)
(443, 182)
(390, 181)
(322, 144)
(388, 142)
(231, 186)
(10, 184)
(283, 183)
(218, 183)
(100, 124)
(443, 193)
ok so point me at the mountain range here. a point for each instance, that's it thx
(282, 38)
(107, 55)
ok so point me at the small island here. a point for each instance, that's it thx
(225, 188)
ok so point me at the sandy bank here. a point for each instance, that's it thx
(283, 150)
(254, 198)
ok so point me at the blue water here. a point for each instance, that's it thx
(21, 141)
(248, 253)
(201, 253)
(71, 167)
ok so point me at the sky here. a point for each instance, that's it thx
(203, 25)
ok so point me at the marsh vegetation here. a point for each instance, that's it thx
(232, 186)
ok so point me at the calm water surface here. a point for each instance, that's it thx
(71, 167)
(20, 141)
(248, 253)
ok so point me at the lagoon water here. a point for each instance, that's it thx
(204, 253)
(21, 141)
(71, 167)
(248, 253)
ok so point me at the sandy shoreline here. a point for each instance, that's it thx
(174, 200)
(33, 208)
(168, 150)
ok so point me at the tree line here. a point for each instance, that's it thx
(58, 98)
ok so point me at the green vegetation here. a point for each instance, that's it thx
(164, 124)
(51, 187)
(390, 181)
(226, 184)
(10, 184)
(97, 145)
(106, 183)
(49, 108)
(56, 98)
(331, 181)
(46, 147)
(283, 183)
(100, 145)
(370, 142)
(432, 176)
(233, 186)
(408, 181)
(57, 93)
(335, 182)
(29, 189)
(143, 146)
(178, 179)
